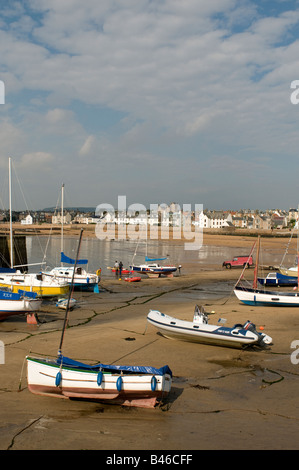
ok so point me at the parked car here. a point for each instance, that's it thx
(238, 261)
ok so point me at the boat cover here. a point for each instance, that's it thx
(66, 259)
(7, 270)
(154, 259)
(66, 361)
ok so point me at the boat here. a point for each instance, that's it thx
(37, 283)
(13, 279)
(200, 331)
(63, 303)
(154, 270)
(123, 271)
(20, 303)
(260, 297)
(293, 271)
(138, 386)
(121, 385)
(278, 279)
(151, 268)
(83, 280)
(133, 279)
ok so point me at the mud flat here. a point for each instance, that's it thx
(221, 398)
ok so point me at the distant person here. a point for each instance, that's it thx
(120, 267)
(116, 267)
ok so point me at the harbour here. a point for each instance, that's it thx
(251, 392)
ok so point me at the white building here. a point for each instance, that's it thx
(27, 221)
(67, 218)
(216, 219)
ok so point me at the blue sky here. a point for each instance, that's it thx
(158, 100)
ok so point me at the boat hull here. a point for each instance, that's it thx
(9, 308)
(201, 333)
(84, 281)
(266, 298)
(36, 283)
(289, 272)
(115, 388)
(154, 270)
(41, 291)
(278, 279)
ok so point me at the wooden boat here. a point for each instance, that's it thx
(255, 296)
(278, 279)
(123, 385)
(117, 384)
(20, 303)
(239, 336)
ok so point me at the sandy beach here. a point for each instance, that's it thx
(221, 398)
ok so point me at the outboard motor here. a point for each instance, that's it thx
(251, 327)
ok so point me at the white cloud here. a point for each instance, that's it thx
(36, 158)
(87, 146)
(186, 75)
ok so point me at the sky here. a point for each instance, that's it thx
(186, 101)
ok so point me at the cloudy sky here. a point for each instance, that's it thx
(159, 100)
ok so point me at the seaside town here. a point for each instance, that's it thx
(172, 216)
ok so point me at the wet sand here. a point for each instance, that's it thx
(221, 398)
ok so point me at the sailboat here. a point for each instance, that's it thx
(83, 280)
(254, 296)
(293, 270)
(150, 267)
(138, 386)
(154, 269)
(15, 280)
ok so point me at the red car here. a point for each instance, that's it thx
(239, 261)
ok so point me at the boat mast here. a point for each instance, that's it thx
(10, 215)
(62, 198)
(69, 296)
(257, 263)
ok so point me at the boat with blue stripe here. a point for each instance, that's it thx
(238, 336)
